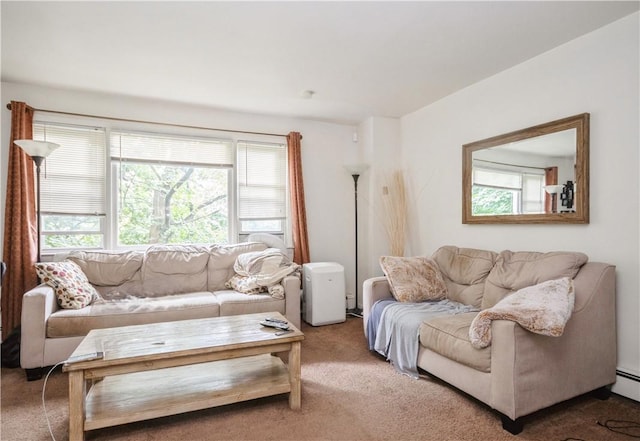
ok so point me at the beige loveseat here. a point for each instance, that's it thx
(521, 371)
(163, 283)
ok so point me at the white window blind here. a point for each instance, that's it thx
(262, 181)
(532, 193)
(496, 178)
(156, 148)
(73, 177)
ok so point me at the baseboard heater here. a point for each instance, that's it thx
(628, 376)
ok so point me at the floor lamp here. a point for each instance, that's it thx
(356, 171)
(37, 150)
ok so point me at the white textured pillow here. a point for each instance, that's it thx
(413, 279)
(69, 283)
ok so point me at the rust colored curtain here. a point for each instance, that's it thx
(20, 231)
(550, 178)
(298, 211)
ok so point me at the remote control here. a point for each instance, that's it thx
(282, 326)
(275, 320)
(85, 357)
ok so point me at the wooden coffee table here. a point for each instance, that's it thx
(161, 369)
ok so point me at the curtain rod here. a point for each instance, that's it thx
(152, 122)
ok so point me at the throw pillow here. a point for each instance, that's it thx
(413, 279)
(244, 284)
(69, 283)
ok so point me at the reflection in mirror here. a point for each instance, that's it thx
(535, 175)
(523, 177)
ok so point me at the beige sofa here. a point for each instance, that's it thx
(163, 283)
(520, 372)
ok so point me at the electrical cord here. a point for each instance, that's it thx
(622, 426)
(44, 407)
(617, 426)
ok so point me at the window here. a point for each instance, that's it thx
(170, 189)
(73, 204)
(498, 191)
(262, 187)
(147, 188)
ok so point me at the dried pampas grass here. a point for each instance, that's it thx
(394, 204)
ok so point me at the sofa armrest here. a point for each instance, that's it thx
(292, 294)
(37, 305)
(530, 371)
(373, 289)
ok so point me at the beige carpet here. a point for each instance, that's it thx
(348, 393)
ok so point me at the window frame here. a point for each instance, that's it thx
(518, 192)
(109, 222)
(39, 124)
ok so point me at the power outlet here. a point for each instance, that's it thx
(350, 300)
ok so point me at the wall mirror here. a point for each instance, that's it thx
(535, 175)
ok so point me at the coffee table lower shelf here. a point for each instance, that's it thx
(122, 399)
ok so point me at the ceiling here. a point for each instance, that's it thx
(360, 59)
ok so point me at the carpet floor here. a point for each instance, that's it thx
(348, 393)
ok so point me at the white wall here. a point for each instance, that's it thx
(326, 148)
(381, 144)
(597, 73)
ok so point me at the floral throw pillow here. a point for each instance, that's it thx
(69, 283)
(244, 284)
(413, 279)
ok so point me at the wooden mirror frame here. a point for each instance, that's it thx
(581, 176)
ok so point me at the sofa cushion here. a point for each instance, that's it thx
(413, 279)
(69, 283)
(449, 336)
(221, 261)
(174, 269)
(517, 270)
(104, 268)
(130, 310)
(464, 271)
(234, 303)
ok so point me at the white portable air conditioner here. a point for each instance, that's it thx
(323, 294)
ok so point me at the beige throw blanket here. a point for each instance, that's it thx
(262, 271)
(543, 309)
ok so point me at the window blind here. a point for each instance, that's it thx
(496, 178)
(262, 181)
(73, 176)
(160, 148)
(532, 193)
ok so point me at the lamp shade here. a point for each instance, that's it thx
(39, 149)
(553, 189)
(356, 169)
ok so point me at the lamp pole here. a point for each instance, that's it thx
(38, 161)
(356, 311)
(355, 170)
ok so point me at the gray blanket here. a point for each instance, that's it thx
(374, 320)
(397, 334)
